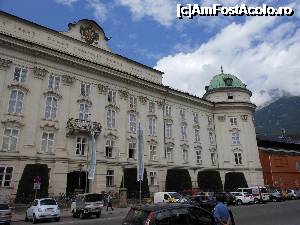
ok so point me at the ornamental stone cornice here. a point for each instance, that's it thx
(85, 99)
(39, 73)
(160, 104)
(123, 94)
(110, 135)
(244, 117)
(67, 80)
(143, 100)
(52, 92)
(102, 88)
(10, 122)
(19, 86)
(49, 125)
(112, 106)
(5, 63)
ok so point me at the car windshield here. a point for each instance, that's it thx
(48, 202)
(4, 207)
(175, 195)
(136, 216)
(93, 198)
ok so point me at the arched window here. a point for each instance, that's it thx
(51, 108)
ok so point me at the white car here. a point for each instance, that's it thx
(43, 209)
(243, 197)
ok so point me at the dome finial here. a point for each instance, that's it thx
(222, 69)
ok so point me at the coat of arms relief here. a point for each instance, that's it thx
(89, 34)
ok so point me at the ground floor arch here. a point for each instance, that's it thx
(234, 180)
(209, 180)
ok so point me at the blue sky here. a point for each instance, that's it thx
(263, 51)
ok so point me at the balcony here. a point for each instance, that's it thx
(82, 127)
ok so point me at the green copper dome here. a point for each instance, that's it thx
(223, 80)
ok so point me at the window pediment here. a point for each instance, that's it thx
(49, 126)
(112, 106)
(5, 63)
(85, 99)
(152, 141)
(198, 147)
(183, 123)
(234, 130)
(19, 86)
(131, 138)
(170, 144)
(212, 149)
(111, 136)
(237, 150)
(53, 92)
(184, 145)
(168, 121)
(12, 123)
(102, 88)
(196, 126)
(132, 111)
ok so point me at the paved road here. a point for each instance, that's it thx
(272, 213)
(278, 213)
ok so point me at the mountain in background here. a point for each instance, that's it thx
(283, 113)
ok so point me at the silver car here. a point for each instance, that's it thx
(5, 213)
(43, 209)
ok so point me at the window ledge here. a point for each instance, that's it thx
(10, 152)
(46, 153)
(14, 114)
(238, 165)
(50, 120)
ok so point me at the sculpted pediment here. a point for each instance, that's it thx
(88, 31)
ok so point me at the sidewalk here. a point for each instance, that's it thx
(19, 215)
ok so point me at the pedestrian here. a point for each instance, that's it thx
(221, 213)
(109, 202)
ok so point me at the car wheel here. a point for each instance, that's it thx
(26, 217)
(256, 201)
(239, 202)
(34, 220)
(57, 219)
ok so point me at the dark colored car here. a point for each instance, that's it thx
(229, 198)
(275, 196)
(168, 214)
(203, 201)
(5, 213)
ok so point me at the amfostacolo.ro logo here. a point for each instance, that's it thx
(191, 10)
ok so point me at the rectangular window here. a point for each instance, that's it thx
(10, 139)
(151, 107)
(20, 74)
(81, 146)
(15, 101)
(132, 150)
(152, 152)
(195, 117)
(230, 96)
(84, 111)
(51, 108)
(185, 155)
(47, 142)
(132, 102)
(183, 132)
(168, 110)
(53, 82)
(168, 130)
(152, 126)
(109, 148)
(198, 157)
(153, 178)
(112, 97)
(5, 176)
(213, 158)
(132, 122)
(85, 89)
(197, 135)
(233, 121)
(182, 113)
(169, 154)
(211, 138)
(111, 118)
(238, 158)
(109, 178)
(235, 137)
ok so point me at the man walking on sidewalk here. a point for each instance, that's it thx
(109, 202)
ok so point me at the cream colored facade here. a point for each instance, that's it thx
(115, 89)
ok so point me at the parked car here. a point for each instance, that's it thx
(167, 214)
(292, 194)
(167, 197)
(5, 213)
(275, 195)
(229, 198)
(86, 205)
(243, 198)
(203, 201)
(259, 193)
(43, 209)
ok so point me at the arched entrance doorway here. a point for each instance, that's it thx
(209, 180)
(234, 180)
(77, 182)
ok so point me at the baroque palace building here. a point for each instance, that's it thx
(55, 86)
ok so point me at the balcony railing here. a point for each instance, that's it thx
(77, 126)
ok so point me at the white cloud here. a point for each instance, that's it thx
(161, 11)
(263, 52)
(100, 9)
(66, 2)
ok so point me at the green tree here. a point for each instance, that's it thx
(210, 180)
(178, 180)
(25, 192)
(234, 180)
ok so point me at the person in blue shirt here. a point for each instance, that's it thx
(221, 212)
